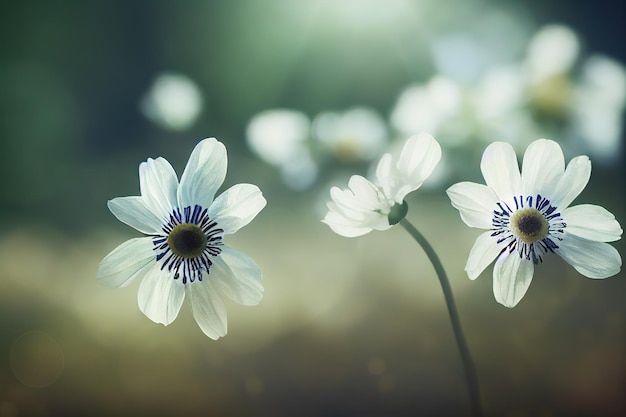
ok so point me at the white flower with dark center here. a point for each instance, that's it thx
(528, 216)
(184, 254)
(366, 206)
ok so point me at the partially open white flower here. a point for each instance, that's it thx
(184, 254)
(528, 216)
(366, 206)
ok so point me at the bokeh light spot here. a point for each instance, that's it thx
(36, 359)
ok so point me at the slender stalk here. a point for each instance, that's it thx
(468, 365)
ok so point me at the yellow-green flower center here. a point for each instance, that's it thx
(187, 240)
(529, 225)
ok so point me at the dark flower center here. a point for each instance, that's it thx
(187, 240)
(532, 229)
(529, 224)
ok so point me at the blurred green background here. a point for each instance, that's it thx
(347, 327)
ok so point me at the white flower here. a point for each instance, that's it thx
(366, 206)
(184, 253)
(174, 102)
(599, 102)
(433, 107)
(528, 216)
(276, 136)
(279, 137)
(553, 50)
(359, 133)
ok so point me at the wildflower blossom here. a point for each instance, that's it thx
(358, 133)
(174, 102)
(528, 216)
(366, 206)
(280, 138)
(184, 254)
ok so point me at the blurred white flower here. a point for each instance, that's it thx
(528, 216)
(500, 92)
(599, 106)
(356, 134)
(365, 206)
(546, 96)
(499, 105)
(551, 55)
(431, 107)
(173, 102)
(280, 138)
(551, 51)
(184, 254)
(300, 172)
(277, 135)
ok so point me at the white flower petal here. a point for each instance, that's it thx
(208, 308)
(134, 212)
(204, 174)
(543, 164)
(236, 207)
(239, 277)
(419, 157)
(501, 171)
(358, 210)
(346, 203)
(160, 296)
(158, 183)
(128, 261)
(384, 174)
(345, 227)
(511, 278)
(369, 220)
(366, 194)
(572, 182)
(475, 202)
(592, 259)
(363, 202)
(592, 222)
(484, 251)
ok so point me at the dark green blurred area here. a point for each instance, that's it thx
(73, 74)
(348, 327)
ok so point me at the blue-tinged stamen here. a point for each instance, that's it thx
(189, 240)
(532, 229)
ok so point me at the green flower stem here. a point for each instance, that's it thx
(470, 371)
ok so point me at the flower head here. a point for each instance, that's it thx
(173, 102)
(280, 137)
(358, 133)
(528, 216)
(184, 254)
(366, 206)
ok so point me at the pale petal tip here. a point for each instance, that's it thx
(507, 305)
(211, 141)
(215, 336)
(472, 273)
